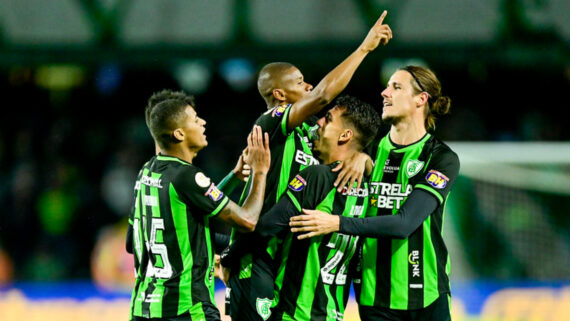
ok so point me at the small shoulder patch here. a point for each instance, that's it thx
(297, 183)
(436, 179)
(279, 110)
(214, 193)
(202, 180)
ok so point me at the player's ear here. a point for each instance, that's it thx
(422, 99)
(178, 135)
(279, 94)
(345, 136)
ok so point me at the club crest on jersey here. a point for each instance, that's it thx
(263, 307)
(436, 179)
(279, 110)
(214, 193)
(413, 167)
(297, 183)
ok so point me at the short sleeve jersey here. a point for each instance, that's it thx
(290, 153)
(313, 281)
(408, 273)
(173, 250)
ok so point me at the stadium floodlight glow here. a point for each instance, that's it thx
(193, 76)
(239, 73)
(59, 77)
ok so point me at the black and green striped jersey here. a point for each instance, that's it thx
(408, 273)
(313, 278)
(173, 250)
(291, 152)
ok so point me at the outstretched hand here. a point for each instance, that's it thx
(379, 34)
(314, 223)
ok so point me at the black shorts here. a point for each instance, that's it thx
(210, 311)
(439, 310)
(250, 298)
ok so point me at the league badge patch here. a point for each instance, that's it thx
(436, 179)
(279, 110)
(214, 193)
(202, 180)
(297, 183)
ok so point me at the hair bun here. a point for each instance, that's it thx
(441, 105)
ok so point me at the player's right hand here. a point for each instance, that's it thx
(258, 154)
(242, 169)
(378, 34)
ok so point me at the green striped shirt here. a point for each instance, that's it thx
(314, 280)
(408, 273)
(173, 250)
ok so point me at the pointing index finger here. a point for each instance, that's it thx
(381, 19)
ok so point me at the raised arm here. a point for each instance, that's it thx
(258, 156)
(336, 80)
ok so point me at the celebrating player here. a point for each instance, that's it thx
(291, 101)
(170, 218)
(405, 263)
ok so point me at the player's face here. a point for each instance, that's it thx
(399, 102)
(194, 128)
(294, 85)
(330, 128)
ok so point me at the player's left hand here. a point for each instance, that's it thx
(314, 223)
(380, 33)
(351, 170)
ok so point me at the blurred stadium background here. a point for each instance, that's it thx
(75, 76)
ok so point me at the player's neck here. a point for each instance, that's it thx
(183, 154)
(341, 153)
(407, 132)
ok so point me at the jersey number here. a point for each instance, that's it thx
(154, 248)
(339, 242)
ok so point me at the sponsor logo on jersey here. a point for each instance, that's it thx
(390, 169)
(150, 200)
(306, 139)
(414, 260)
(151, 181)
(361, 192)
(436, 179)
(387, 195)
(202, 180)
(263, 307)
(413, 167)
(356, 210)
(279, 110)
(297, 183)
(151, 297)
(214, 193)
(305, 159)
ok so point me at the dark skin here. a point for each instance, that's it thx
(289, 87)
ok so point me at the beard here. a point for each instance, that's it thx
(392, 120)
